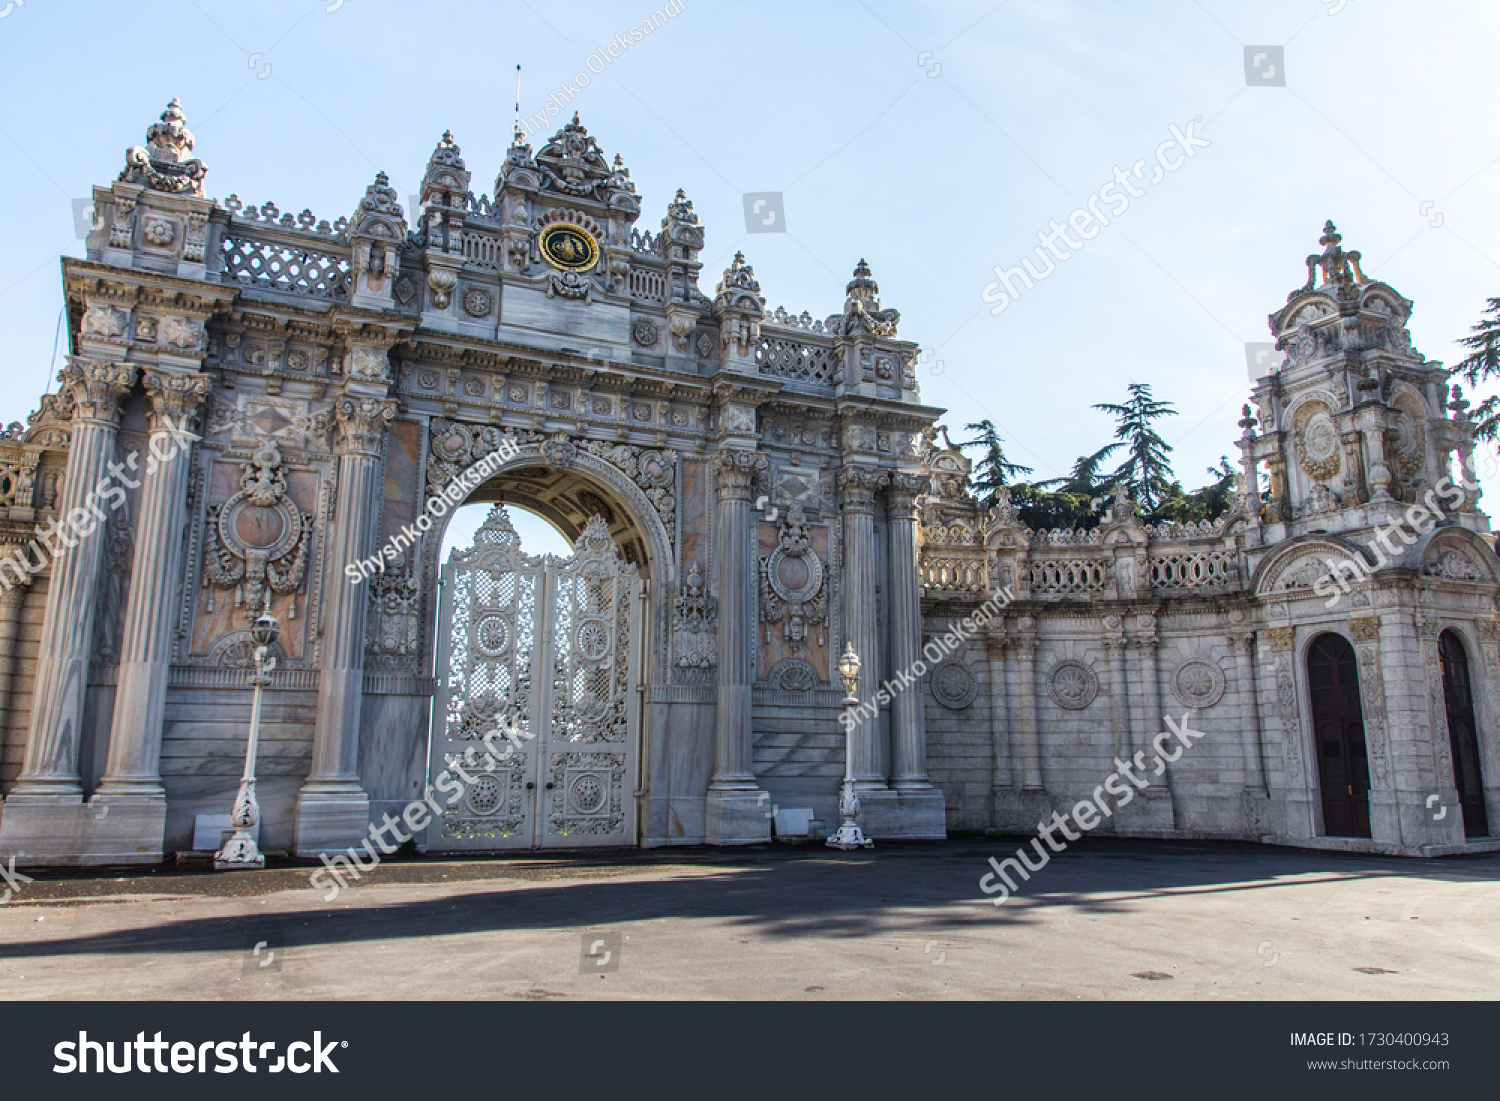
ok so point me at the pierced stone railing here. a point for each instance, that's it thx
(287, 256)
(1191, 569)
(648, 285)
(484, 250)
(798, 360)
(953, 574)
(1070, 576)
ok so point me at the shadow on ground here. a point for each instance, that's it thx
(776, 892)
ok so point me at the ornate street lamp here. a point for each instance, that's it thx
(240, 850)
(849, 835)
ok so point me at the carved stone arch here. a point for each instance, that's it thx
(1454, 554)
(1296, 313)
(1327, 397)
(1370, 293)
(620, 491)
(1277, 572)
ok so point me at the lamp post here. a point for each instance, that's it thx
(240, 850)
(849, 835)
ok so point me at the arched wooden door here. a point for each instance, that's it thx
(1339, 731)
(1463, 734)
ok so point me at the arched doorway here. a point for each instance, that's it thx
(549, 647)
(1463, 734)
(1339, 733)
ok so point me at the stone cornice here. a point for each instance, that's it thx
(126, 286)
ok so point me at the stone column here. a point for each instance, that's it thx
(133, 772)
(733, 815)
(1244, 656)
(857, 488)
(1149, 722)
(1031, 739)
(50, 773)
(909, 737)
(11, 601)
(1000, 762)
(333, 810)
(1256, 799)
(1119, 703)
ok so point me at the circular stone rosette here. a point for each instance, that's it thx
(1073, 685)
(1198, 684)
(954, 685)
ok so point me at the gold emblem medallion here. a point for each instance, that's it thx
(569, 247)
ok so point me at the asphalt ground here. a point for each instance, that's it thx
(1104, 920)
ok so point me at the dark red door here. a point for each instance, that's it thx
(1339, 728)
(1463, 734)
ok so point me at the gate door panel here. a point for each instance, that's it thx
(550, 645)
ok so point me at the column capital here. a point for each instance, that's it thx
(858, 485)
(95, 389)
(360, 424)
(736, 470)
(175, 397)
(906, 489)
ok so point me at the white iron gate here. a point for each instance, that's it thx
(552, 646)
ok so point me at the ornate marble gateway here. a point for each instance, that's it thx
(747, 490)
(353, 374)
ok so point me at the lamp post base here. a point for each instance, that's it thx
(850, 836)
(240, 850)
(239, 853)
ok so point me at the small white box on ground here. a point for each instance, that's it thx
(796, 822)
(210, 830)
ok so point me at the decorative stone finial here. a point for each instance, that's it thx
(862, 312)
(379, 213)
(165, 163)
(446, 175)
(1337, 266)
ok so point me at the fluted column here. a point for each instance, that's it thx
(1244, 656)
(11, 601)
(909, 736)
(857, 488)
(50, 773)
(734, 743)
(1031, 738)
(1119, 703)
(133, 770)
(1149, 723)
(1000, 763)
(332, 808)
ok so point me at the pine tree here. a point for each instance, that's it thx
(1147, 472)
(993, 469)
(1482, 365)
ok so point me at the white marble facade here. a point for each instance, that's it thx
(254, 401)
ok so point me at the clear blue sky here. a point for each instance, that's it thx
(1388, 106)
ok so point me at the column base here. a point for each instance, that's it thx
(1256, 808)
(331, 819)
(42, 832)
(737, 817)
(1149, 810)
(914, 814)
(1018, 810)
